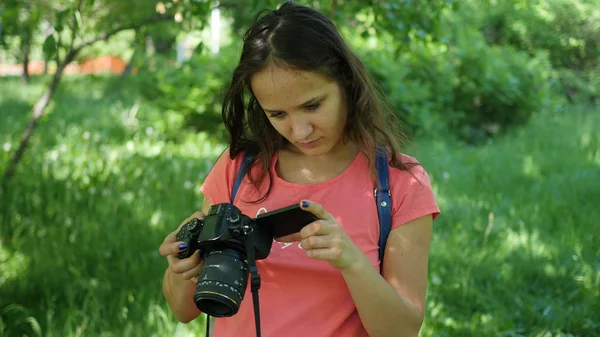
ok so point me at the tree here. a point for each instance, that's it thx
(78, 24)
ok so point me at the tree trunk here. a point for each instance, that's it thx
(37, 113)
(332, 11)
(25, 50)
(40, 106)
(131, 63)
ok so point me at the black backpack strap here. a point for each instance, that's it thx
(241, 174)
(384, 204)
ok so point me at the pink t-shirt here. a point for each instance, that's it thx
(301, 296)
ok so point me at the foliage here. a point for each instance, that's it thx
(568, 31)
(512, 257)
(103, 195)
(457, 80)
(514, 253)
(119, 160)
(492, 66)
(193, 91)
(468, 87)
(404, 19)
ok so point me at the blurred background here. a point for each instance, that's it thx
(110, 120)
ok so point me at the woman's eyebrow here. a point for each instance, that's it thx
(308, 102)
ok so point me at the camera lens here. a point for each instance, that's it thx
(221, 283)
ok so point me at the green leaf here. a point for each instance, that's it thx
(77, 19)
(61, 16)
(49, 47)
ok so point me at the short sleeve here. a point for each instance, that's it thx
(412, 194)
(219, 182)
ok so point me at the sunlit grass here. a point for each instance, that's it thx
(92, 200)
(515, 252)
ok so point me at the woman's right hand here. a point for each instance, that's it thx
(188, 268)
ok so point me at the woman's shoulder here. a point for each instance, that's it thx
(411, 169)
(411, 186)
(226, 164)
(406, 161)
(226, 158)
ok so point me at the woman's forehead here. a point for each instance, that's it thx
(277, 88)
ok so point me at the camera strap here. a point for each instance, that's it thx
(254, 276)
(254, 282)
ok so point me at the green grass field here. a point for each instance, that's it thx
(516, 251)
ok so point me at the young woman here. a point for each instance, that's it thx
(305, 104)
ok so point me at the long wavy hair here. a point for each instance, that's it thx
(300, 38)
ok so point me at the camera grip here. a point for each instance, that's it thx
(189, 235)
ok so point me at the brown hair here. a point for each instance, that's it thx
(301, 38)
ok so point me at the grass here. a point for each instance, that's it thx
(516, 251)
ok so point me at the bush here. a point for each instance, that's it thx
(568, 30)
(498, 87)
(467, 88)
(191, 93)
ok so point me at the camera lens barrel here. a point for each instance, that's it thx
(221, 283)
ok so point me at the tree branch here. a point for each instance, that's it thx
(75, 26)
(333, 9)
(42, 103)
(107, 35)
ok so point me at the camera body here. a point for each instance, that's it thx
(225, 226)
(223, 237)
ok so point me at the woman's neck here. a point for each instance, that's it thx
(294, 166)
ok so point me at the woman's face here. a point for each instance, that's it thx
(304, 107)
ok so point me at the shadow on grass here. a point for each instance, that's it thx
(516, 250)
(92, 200)
(81, 252)
(514, 254)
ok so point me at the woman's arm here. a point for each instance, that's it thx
(391, 303)
(179, 281)
(179, 294)
(394, 305)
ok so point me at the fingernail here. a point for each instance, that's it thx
(182, 246)
(304, 203)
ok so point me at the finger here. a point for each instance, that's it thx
(318, 241)
(174, 258)
(170, 241)
(181, 266)
(316, 209)
(319, 227)
(290, 238)
(171, 248)
(193, 273)
(330, 254)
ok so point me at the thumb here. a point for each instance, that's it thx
(290, 238)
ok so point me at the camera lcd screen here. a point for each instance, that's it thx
(285, 221)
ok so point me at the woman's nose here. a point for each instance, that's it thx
(301, 129)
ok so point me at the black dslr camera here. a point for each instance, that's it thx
(229, 242)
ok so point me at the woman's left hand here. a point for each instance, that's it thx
(324, 239)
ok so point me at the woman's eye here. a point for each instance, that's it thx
(313, 106)
(277, 115)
